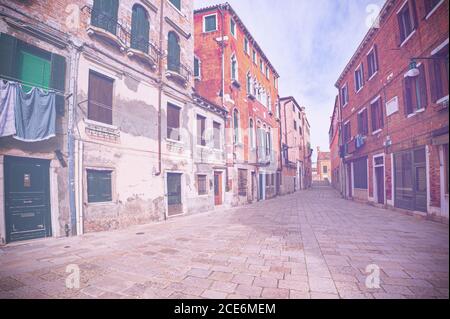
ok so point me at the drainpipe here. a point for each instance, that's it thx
(160, 86)
(222, 51)
(74, 58)
(343, 175)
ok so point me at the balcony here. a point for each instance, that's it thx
(106, 27)
(144, 51)
(119, 34)
(178, 72)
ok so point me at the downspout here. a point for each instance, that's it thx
(160, 86)
(222, 51)
(340, 139)
(74, 57)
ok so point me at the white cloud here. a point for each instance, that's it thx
(309, 43)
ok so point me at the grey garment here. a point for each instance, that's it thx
(8, 93)
(35, 115)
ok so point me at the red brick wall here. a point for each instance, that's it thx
(404, 132)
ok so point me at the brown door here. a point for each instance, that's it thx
(217, 188)
(380, 184)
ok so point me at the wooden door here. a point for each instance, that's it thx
(27, 198)
(379, 175)
(174, 203)
(218, 188)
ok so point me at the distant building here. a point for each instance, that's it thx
(295, 145)
(323, 166)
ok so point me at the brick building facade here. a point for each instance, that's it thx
(393, 98)
(295, 145)
(232, 70)
(323, 166)
(334, 136)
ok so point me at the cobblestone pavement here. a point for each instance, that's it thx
(311, 244)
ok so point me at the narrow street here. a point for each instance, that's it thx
(312, 244)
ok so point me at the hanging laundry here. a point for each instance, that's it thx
(8, 93)
(35, 115)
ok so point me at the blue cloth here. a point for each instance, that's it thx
(359, 141)
(8, 94)
(35, 115)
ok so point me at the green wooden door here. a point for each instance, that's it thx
(27, 200)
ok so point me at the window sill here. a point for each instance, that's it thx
(442, 100)
(108, 36)
(207, 32)
(372, 76)
(377, 131)
(180, 143)
(176, 9)
(416, 112)
(343, 106)
(235, 83)
(359, 90)
(429, 14)
(407, 38)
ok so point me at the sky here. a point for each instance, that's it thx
(309, 42)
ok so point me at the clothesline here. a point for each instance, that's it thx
(9, 78)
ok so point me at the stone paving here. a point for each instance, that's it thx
(311, 244)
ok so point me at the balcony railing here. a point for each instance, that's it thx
(119, 33)
(178, 71)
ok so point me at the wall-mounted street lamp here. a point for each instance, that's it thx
(414, 70)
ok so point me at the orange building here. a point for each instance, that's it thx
(231, 70)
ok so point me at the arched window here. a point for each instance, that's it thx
(252, 134)
(173, 54)
(104, 15)
(234, 68)
(140, 27)
(255, 87)
(236, 126)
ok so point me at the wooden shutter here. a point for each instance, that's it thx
(58, 80)
(140, 27)
(216, 128)
(100, 98)
(173, 122)
(423, 86)
(173, 58)
(407, 96)
(8, 53)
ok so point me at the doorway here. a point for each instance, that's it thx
(218, 188)
(411, 180)
(378, 164)
(27, 198)
(174, 202)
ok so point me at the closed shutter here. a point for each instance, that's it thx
(423, 87)
(99, 186)
(58, 80)
(100, 98)
(216, 128)
(407, 96)
(104, 15)
(140, 27)
(173, 58)
(173, 122)
(8, 53)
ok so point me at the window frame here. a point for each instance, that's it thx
(169, 135)
(410, 6)
(377, 123)
(344, 96)
(200, 179)
(233, 28)
(175, 6)
(374, 54)
(363, 125)
(201, 130)
(101, 200)
(199, 68)
(204, 22)
(359, 75)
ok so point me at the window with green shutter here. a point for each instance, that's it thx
(173, 56)
(32, 66)
(99, 186)
(210, 23)
(140, 27)
(104, 15)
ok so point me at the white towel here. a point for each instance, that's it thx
(8, 93)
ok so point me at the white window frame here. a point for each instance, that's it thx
(199, 76)
(358, 69)
(234, 57)
(376, 62)
(346, 94)
(204, 23)
(247, 50)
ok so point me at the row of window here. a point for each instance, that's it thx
(210, 25)
(105, 15)
(407, 23)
